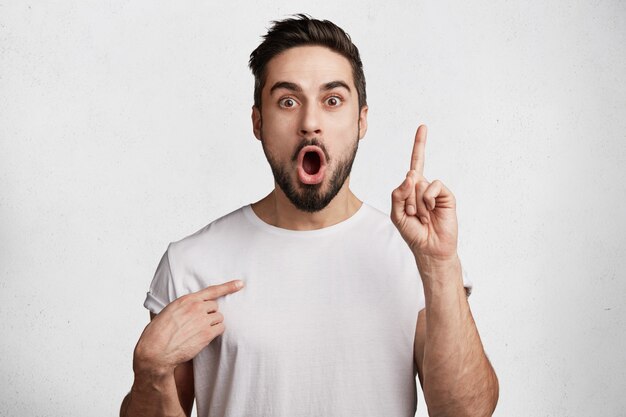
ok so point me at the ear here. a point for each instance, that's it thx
(256, 122)
(363, 121)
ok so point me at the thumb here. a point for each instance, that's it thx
(398, 198)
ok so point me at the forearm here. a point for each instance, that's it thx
(154, 396)
(458, 378)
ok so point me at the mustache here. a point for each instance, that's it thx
(310, 142)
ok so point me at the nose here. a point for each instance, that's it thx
(310, 122)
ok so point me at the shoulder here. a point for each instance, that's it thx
(228, 225)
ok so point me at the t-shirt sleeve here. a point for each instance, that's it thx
(161, 291)
(467, 281)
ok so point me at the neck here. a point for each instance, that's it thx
(276, 210)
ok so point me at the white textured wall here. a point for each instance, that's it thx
(124, 125)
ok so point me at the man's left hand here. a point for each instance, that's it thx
(425, 212)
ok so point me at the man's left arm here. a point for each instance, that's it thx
(456, 376)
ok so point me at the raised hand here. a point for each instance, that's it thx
(184, 327)
(425, 212)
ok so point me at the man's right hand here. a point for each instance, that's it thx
(179, 332)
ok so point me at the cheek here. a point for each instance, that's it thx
(278, 120)
(343, 122)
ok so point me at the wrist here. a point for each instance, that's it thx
(147, 369)
(151, 380)
(442, 280)
(429, 265)
(153, 373)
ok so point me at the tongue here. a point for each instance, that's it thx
(311, 163)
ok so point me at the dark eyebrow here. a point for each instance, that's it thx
(286, 85)
(297, 89)
(335, 84)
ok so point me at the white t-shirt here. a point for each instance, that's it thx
(324, 326)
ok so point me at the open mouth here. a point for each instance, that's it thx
(311, 165)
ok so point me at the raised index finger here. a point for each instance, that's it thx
(419, 146)
(216, 291)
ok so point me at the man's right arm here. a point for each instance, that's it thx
(159, 396)
(163, 355)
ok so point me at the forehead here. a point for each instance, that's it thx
(309, 66)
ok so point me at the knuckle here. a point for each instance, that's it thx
(209, 332)
(183, 299)
(216, 330)
(197, 307)
(210, 292)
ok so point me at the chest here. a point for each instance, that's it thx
(299, 297)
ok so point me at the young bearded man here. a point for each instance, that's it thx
(335, 309)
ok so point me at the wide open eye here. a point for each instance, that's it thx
(334, 101)
(287, 102)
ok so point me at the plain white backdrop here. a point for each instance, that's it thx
(125, 125)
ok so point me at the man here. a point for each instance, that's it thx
(327, 315)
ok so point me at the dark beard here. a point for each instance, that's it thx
(310, 199)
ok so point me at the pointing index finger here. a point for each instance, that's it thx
(215, 291)
(417, 157)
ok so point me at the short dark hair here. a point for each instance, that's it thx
(302, 30)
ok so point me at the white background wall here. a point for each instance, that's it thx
(124, 125)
